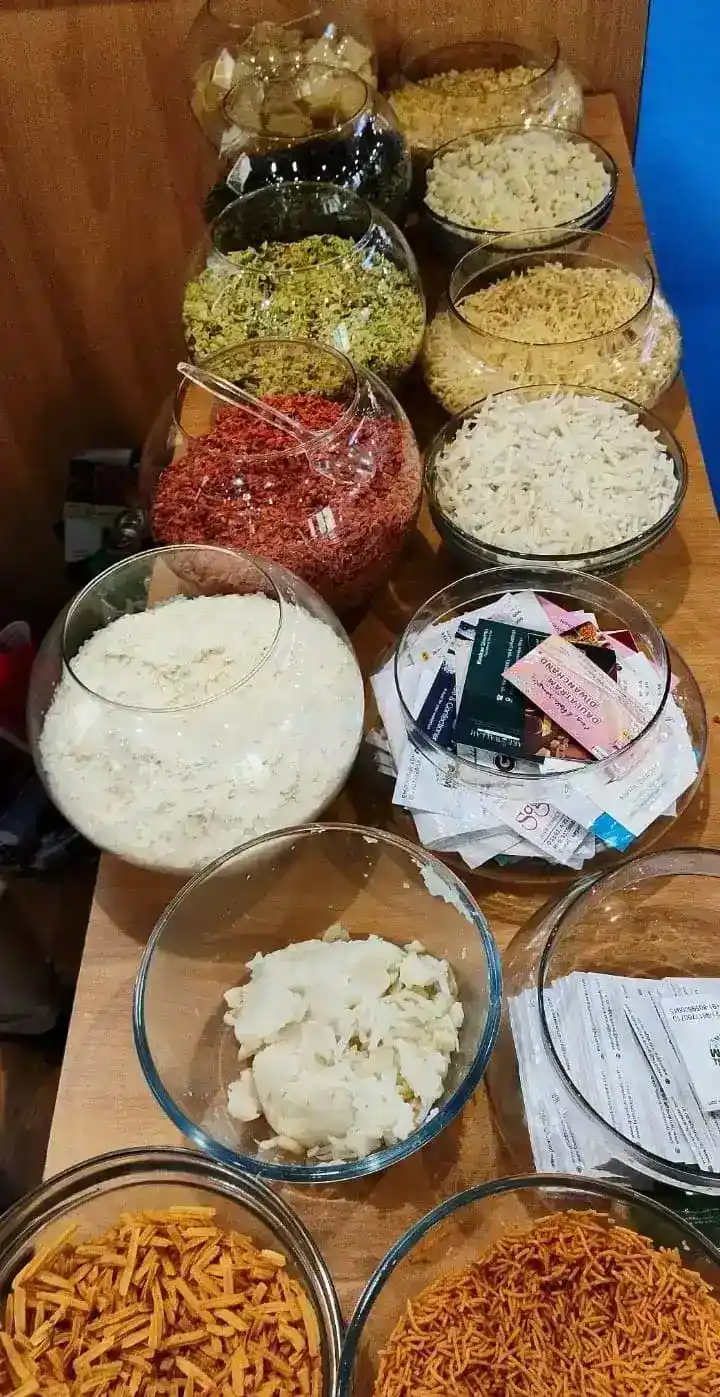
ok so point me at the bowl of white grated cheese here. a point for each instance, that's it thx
(192, 698)
(318, 1004)
(573, 477)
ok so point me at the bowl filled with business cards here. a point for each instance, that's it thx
(535, 723)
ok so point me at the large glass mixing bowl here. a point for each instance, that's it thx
(283, 890)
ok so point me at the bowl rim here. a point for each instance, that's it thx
(537, 579)
(592, 559)
(564, 135)
(345, 1170)
(84, 1181)
(645, 863)
(579, 1183)
(147, 559)
(508, 265)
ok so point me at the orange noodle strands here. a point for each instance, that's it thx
(572, 1307)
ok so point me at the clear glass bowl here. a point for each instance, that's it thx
(655, 916)
(336, 515)
(638, 358)
(615, 611)
(319, 124)
(223, 47)
(93, 1194)
(170, 763)
(291, 888)
(472, 552)
(453, 238)
(460, 1228)
(445, 88)
(307, 261)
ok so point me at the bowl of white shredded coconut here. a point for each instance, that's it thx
(554, 475)
(192, 698)
(541, 184)
(318, 1004)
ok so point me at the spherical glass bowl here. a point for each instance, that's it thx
(287, 889)
(460, 1228)
(444, 88)
(452, 238)
(638, 358)
(319, 124)
(335, 512)
(223, 48)
(654, 917)
(614, 611)
(169, 782)
(307, 261)
(472, 552)
(92, 1195)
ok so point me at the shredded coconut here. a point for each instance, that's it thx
(348, 1043)
(518, 180)
(561, 475)
(172, 786)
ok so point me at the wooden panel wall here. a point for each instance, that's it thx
(100, 168)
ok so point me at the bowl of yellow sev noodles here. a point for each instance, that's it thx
(540, 1286)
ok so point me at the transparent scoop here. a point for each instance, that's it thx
(336, 453)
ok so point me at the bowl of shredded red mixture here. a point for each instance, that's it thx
(608, 1295)
(332, 504)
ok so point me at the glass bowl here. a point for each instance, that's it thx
(307, 261)
(223, 48)
(336, 514)
(453, 237)
(637, 358)
(168, 743)
(287, 889)
(529, 789)
(445, 88)
(654, 917)
(320, 124)
(474, 553)
(93, 1194)
(451, 1236)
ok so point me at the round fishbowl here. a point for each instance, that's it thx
(316, 469)
(191, 698)
(320, 124)
(307, 261)
(445, 88)
(587, 313)
(509, 775)
(224, 48)
(610, 1045)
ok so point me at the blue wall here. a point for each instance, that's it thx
(678, 170)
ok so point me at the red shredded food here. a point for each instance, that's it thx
(571, 1307)
(246, 485)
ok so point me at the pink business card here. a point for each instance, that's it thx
(586, 703)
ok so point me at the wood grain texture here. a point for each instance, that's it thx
(101, 168)
(103, 1103)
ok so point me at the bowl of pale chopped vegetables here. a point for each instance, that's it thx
(318, 1004)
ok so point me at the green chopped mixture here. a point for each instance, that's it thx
(321, 288)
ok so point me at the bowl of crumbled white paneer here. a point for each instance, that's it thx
(318, 1004)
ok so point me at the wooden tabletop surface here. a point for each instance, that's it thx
(103, 1103)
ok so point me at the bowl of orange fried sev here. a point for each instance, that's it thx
(543, 1286)
(159, 1273)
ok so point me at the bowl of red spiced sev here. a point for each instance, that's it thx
(541, 1286)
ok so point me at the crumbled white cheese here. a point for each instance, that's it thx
(349, 1042)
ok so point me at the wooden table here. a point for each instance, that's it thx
(103, 1103)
